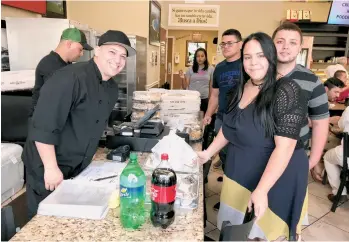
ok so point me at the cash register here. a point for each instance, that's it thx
(140, 136)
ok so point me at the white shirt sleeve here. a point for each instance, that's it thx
(343, 122)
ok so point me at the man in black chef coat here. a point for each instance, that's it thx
(70, 49)
(70, 116)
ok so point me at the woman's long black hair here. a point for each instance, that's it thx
(265, 99)
(196, 64)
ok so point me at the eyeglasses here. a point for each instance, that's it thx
(228, 44)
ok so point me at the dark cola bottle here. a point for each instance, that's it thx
(163, 194)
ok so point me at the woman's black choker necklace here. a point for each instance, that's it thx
(257, 85)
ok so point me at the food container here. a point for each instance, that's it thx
(137, 115)
(186, 118)
(146, 96)
(196, 130)
(143, 106)
(182, 93)
(195, 133)
(180, 102)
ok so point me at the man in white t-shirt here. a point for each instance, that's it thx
(334, 158)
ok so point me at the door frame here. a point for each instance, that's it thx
(166, 33)
(172, 60)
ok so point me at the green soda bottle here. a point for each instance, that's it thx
(132, 194)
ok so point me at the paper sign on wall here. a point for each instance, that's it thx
(193, 15)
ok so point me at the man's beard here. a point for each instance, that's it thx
(230, 55)
(288, 61)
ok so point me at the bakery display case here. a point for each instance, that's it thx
(178, 108)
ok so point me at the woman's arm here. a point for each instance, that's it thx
(218, 143)
(276, 166)
(185, 82)
(290, 111)
(186, 79)
(210, 82)
(290, 114)
(278, 161)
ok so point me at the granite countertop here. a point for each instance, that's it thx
(185, 227)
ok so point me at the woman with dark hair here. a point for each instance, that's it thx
(266, 164)
(198, 77)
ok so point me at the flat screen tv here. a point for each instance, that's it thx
(339, 13)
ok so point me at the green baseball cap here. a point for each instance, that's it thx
(76, 35)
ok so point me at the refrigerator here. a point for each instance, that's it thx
(30, 39)
(95, 38)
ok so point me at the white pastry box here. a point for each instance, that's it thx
(12, 170)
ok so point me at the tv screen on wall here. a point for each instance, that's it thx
(339, 13)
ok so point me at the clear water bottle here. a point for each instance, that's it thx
(132, 194)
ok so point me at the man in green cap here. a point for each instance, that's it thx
(70, 48)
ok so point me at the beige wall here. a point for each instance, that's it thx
(131, 17)
(180, 45)
(249, 17)
(104, 15)
(7, 11)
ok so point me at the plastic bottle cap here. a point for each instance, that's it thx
(164, 156)
(133, 156)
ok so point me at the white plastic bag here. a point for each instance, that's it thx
(176, 124)
(181, 155)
